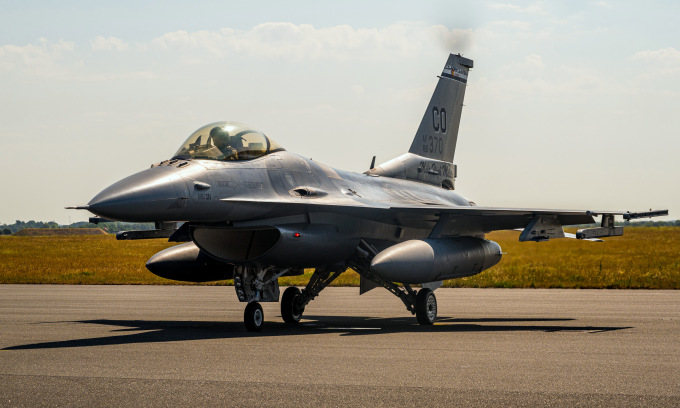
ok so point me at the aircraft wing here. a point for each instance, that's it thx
(537, 224)
(505, 218)
(443, 220)
(424, 211)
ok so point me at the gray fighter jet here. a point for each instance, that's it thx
(251, 211)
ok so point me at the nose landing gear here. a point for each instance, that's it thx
(261, 285)
(254, 285)
(253, 317)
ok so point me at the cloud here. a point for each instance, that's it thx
(669, 56)
(531, 65)
(533, 8)
(274, 40)
(139, 75)
(41, 58)
(534, 62)
(304, 41)
(515, 25)
(660, 64)
(532, 76)
(214, 42)
(111, 43)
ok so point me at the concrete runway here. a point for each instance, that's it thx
(186, 346)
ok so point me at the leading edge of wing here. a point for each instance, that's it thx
(475, 210)
(423, 209)
(504, 218)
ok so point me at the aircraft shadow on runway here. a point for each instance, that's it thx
(154, 331)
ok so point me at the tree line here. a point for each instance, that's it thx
(110, 227)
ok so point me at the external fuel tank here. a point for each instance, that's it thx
(430, 260)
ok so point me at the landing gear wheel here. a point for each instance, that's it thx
(253, 317)
(290, 312)
(426, 306)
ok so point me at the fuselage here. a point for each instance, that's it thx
(277, 189)
(208, 191)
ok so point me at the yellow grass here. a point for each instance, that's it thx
(646, 258)
(642, 258)
(98, 259)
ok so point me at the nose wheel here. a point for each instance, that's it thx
(253, 317)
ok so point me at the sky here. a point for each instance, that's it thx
(569, 105)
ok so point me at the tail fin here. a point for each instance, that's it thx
(430, 159)
(438, 131)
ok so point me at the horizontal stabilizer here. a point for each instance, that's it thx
(98, 220)
(145, 234)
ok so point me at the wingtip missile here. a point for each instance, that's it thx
(645, 214)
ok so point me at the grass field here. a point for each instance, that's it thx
(646, 258)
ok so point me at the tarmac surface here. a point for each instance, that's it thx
(187, 346)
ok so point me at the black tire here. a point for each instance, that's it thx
(426, 306)
(290, 313)
(253, 317)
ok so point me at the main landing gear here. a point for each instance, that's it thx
(423, 303)
(291, 312)
(426, 306)
(254, 285)
(294, 300)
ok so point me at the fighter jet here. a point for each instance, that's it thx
(245, 208)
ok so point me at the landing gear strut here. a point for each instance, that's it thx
(254, 285)
(293, 301)
(423, 304)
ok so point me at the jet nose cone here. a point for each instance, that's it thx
(156, 194)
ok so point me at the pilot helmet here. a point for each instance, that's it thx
(219, 135)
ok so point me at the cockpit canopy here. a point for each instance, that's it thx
(227, 141)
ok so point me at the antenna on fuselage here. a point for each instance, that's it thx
(372, 163)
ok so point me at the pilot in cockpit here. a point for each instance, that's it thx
(223, 141)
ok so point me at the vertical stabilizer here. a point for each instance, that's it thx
(438, 131)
